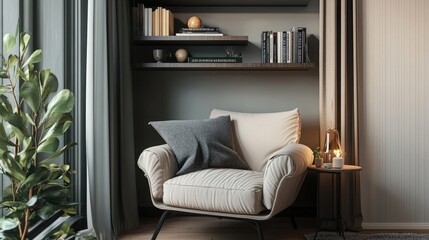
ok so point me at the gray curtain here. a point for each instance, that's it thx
(112, 200)
(123, 162)
(338, 98)
(349, 113)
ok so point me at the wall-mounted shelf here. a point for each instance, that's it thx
(193, 40)
(226, 66)
(228, 3)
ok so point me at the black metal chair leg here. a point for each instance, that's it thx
(259, 229)
(160, 223)
(292, 218)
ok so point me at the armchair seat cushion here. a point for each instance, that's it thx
(218, 190)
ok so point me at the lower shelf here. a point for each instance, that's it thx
(226, 66)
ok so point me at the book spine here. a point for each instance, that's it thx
(295, 45)
(264, 46)
(284, 47)
(279, 47)
(290, 47)
(304, 45)
(299, 42)
(275, 47)
(141, 19)
(214, 60)
(271, 47)
(170, 23)
(150, 23)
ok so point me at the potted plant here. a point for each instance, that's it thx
(33, 117)
(318, 160)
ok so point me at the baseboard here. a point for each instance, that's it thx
(373, 225)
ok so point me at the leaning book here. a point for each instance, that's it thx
(215, 60)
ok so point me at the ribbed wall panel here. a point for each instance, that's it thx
(394, 111)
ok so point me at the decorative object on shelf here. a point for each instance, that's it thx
(159, 55)
(181, 55)
(337, 161)
(195, 22)
(318, 160)
(332, 143)
(231, 52)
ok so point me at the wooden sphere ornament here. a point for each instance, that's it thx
(194, 22)
(181, 55)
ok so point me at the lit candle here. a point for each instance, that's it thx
(337, 161)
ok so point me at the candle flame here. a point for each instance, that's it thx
(337, 152)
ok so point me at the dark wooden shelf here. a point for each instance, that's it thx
(228, 3)
(226, 66)
(193, 40)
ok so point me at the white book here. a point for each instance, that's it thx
(271, 47)
(149, 21)
(199, 34)
(279, 47)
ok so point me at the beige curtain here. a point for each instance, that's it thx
(338, 94)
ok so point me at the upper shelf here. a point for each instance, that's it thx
(193, 40)
(228, 3)
(226, 66)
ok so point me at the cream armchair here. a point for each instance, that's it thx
(268, 142)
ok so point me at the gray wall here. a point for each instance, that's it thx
(166, 95)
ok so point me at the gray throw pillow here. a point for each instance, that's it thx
(200, 144)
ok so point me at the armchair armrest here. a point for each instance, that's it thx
(159, 164)
(289, 162)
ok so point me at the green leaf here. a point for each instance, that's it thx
(3, 74)
(32, 201)
(62, 102)
(8, 223)
(59, 127)
(20, 127)
(49, 146)
(11, 167)
(24, 39)
(49, 83)
(58, 153)
(65, 167)
(46, 211)
(29, 119)
(40, 175)
(4, 89)
(35, 57)
(9, 42)
(30, 92)
(12, 60)
(57, 117)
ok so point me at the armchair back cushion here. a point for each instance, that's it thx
(258, 135)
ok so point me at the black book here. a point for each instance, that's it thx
(264, 47)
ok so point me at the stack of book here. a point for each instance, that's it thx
(204, 31)
(148, 22)
(284, 47)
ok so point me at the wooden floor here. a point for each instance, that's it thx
(208, 228)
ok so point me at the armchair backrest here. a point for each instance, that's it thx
(258, 135)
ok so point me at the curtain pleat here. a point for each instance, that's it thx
(97, 123)
(112, 197)
(124, 196)
(338, 99)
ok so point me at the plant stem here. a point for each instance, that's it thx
(27, 217)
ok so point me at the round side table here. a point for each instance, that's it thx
(336, 174)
